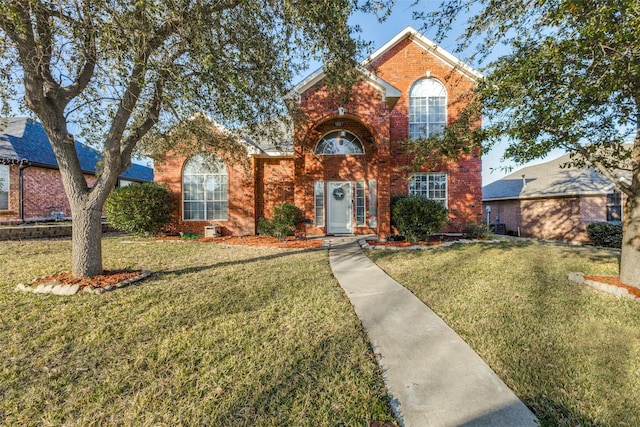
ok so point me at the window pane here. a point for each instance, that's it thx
(360, 204)
(205, 189)
(427, 108)
(339, 142)
(4, 187)
(319, 203)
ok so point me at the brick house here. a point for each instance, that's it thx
(344, 162)
(30, 183)
(547, 201)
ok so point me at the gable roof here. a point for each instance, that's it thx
(429, 46)
(548, 180)
(391, 93)
(24, 141)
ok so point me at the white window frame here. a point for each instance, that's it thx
(213, 169)
(319, 203)
(5, 172)
(361, 204)
(339, 142)
(423, 120)
(427, 185)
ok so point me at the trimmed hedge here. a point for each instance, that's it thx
(607, 234)
(417, 217)
(140, 209)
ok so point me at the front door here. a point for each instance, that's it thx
(340, 208)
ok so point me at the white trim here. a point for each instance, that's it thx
(7, 184)
(224, 173)
(427, 175)
(348, 227)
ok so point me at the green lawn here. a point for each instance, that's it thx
(218, 336)
(570, 352)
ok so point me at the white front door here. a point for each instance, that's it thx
(340, 208)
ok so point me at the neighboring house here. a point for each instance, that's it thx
(547, 201)
(346, 161)
(30, 182)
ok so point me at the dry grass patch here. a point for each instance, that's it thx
(217, 336)
(570, 352)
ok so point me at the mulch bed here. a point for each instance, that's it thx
(110, 277)
(614, 281)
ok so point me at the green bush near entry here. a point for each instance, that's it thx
(417, 217)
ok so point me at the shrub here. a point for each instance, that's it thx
(608, 234)
(265, 227)
(417, 217)
(474, 230)
(140, 209)
(286, 218)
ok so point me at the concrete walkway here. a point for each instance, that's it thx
(434, 378)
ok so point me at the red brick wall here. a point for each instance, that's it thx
(560, 218)
(402, 66)
(241, 199)
(367, 115)
(43, 193)
(274, 184)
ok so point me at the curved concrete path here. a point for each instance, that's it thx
(434, 378)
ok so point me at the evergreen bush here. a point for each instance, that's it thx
(139, 209)
(417, 217)
(286, 218)
(607, 234)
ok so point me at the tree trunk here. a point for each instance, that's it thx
(86, 252)
(630, 255)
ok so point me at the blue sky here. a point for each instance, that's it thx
(401, 17)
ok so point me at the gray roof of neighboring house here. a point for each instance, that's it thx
(23, 140)
(548, 180)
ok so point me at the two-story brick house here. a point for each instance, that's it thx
(345, 161)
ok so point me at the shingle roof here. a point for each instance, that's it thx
(548, 180)
(23, 140)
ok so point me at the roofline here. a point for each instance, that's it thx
(391, 93)
(544, 196)
(428, 45)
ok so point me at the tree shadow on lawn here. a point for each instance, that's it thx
(197, 269)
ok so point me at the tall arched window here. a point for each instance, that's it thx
(339, 142)
(427, 108)
(204, 189)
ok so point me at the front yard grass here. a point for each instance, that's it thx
(570, 352)
(218, 336)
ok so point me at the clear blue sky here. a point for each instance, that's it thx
(402, 16)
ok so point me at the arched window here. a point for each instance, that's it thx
(204, 189)
(427, 108)
(339, 142)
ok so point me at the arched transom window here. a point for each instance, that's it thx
(204, 189)
(339, 142)
(427, 108)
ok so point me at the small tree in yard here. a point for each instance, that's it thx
(119, 73)
(571, 80)
(141, 209)
(417, 217)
